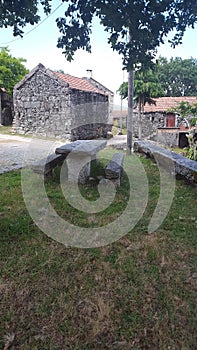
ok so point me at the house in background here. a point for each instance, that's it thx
(6, 108)
(120, 118)
(172, 128)
(165, 105)
(55, 104)
(161, 124)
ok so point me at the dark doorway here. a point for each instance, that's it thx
(7, 117)
(183, 140)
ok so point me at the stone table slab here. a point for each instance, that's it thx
(79, 155)
(86, 147)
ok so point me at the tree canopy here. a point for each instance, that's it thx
(18, 13)
(178, 76)
(12, 70)
(146, 86)
(186, 109)
(136, 27)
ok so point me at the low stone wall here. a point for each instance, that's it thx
(183, 167)
(90, 131)
(150, 124)
(168, 136)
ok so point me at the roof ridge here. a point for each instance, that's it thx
(97, 82)
(166, 103)
(79, 83)
(63, 78)
(41, 67)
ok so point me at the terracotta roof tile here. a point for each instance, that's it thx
(163, 104)
(79, 83)
(117, 113)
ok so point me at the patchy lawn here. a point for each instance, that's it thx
(137, 293)
(5, 130)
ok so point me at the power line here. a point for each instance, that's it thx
(31, 30)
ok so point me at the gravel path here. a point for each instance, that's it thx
(17, 151)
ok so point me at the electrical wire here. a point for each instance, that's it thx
(31, 30)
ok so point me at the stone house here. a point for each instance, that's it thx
(55, 104)
(161, 124)
(120, 117)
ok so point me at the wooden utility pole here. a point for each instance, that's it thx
(0, 110)
(121, 114)
(130, 111)
(131, 76)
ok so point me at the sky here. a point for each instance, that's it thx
(38, 45)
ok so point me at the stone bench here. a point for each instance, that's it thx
(183, 167)
(45, 166)
(114, 168)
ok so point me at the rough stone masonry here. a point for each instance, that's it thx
(46, 105)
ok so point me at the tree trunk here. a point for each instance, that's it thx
(121, 115)
(140, 120)
(130, 111)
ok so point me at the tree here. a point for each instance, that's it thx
(12, 70)
(191, 152)
(136, 28)
(18, 13)
(146, 87)
(185, 109)
(178, 76)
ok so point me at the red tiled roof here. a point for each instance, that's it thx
(117, 113)
(163, 104)
(79, 83)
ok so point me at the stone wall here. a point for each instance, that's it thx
(89, 116)
(168, 136)
(90, 131)
(41, 106)
(110, 95)
(150, 124)
(45, 105)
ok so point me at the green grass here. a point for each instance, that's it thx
(6, 130)
(124, 131)
(137, 293)
(115, 130)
